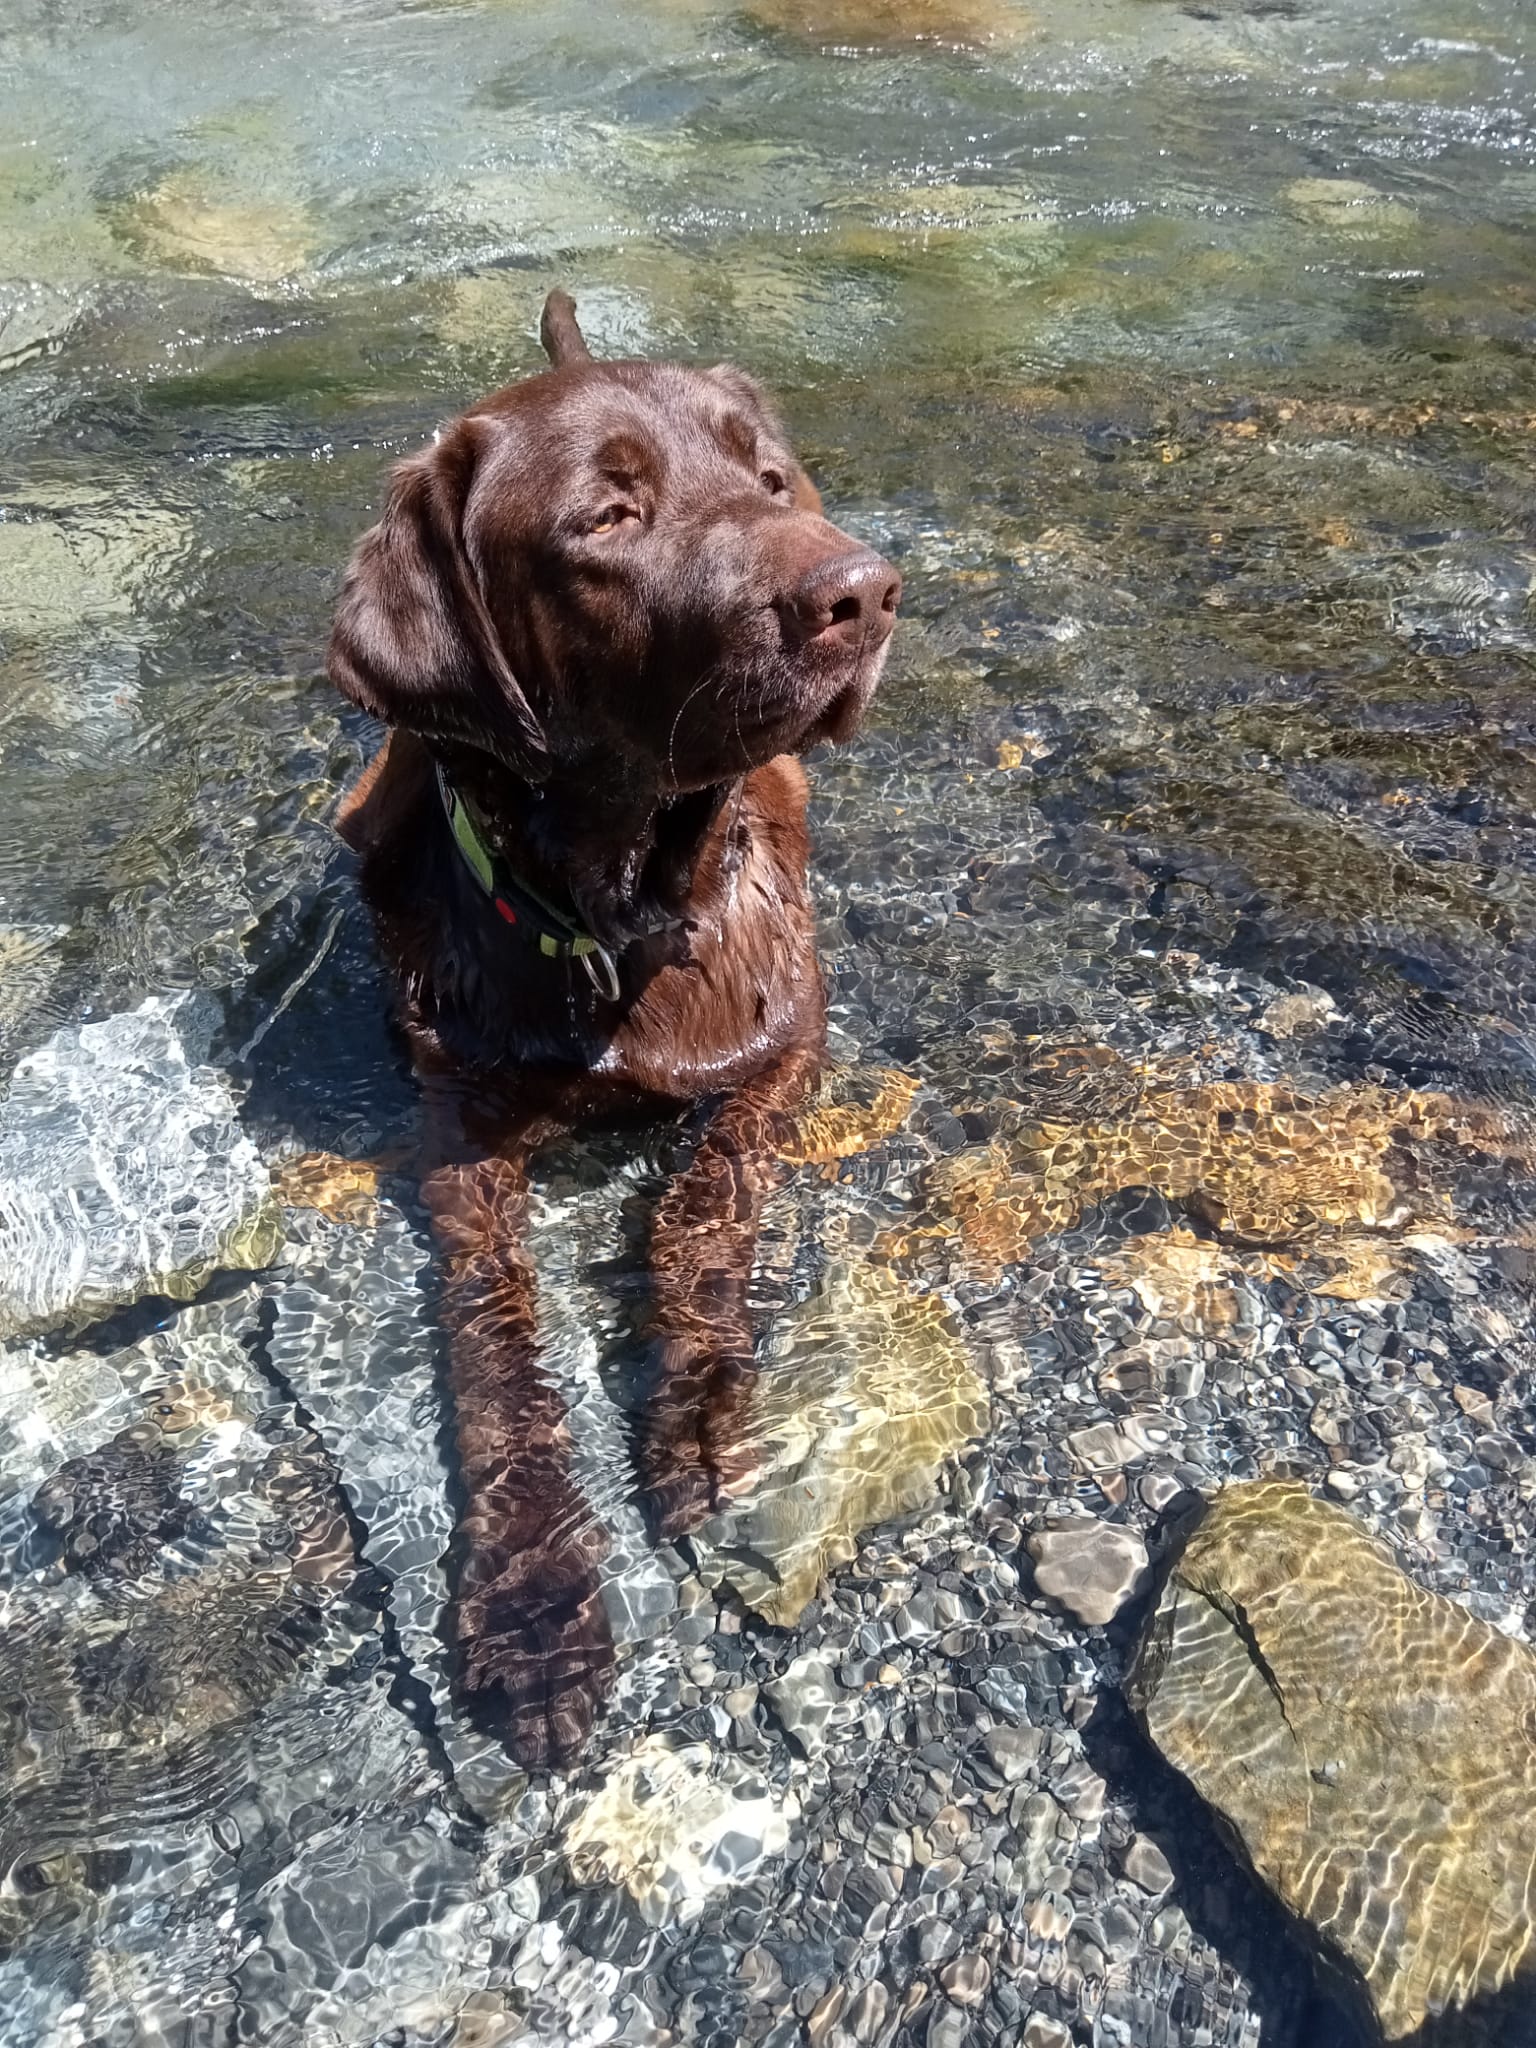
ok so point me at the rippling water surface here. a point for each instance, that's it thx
(1179, 917)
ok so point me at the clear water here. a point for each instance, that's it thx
(1182, 358)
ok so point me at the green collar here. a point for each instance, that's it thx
(557, 936)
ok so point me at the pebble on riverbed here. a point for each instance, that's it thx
(672, 1825)
(803, 1697)
(1090, 1568)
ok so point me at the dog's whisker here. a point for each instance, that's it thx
(672, 735)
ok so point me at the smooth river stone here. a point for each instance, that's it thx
(124, 1170)
(673, 1825)
(1372, 1745)
(867, 1391)
(1091, 1568)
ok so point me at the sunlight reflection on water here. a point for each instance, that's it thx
(1180, 356)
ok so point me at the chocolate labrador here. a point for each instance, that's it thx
(602, 614)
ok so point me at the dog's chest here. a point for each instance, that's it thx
(749, 990)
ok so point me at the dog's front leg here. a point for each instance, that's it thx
(695, 1447)
(534, 1642)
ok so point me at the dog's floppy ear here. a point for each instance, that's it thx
(412, 641)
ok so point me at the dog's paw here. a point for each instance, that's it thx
(697, 1452)
(536, 1657)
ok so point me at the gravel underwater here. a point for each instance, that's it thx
(1178, 911)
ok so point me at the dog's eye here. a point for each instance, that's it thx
(773, 481)
(612, 516)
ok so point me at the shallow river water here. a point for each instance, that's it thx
(1178, 910)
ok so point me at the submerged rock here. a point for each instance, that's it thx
(124, 1170)
(169, 1659)
(30, 964)
(190, 222)
(672, 1825)
(892, 24)
(34, 320)
(869, 1391)
(1372, 1745)
(76, 559)
(1259, 1164)
(1347, 205)
(353, 1935)
(803, 1697)
(1091, 1568)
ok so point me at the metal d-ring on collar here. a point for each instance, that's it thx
(559, 937)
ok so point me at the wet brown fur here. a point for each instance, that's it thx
(624, 718)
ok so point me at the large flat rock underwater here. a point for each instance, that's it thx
(1372, 1748)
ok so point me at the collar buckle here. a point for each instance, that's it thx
(602, 971)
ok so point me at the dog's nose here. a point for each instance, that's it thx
(850, 598)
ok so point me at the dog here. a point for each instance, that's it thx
(602, 616)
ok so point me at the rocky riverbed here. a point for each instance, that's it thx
(869, 1771)
(1177, 907)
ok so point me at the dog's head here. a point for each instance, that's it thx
(617, 566)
